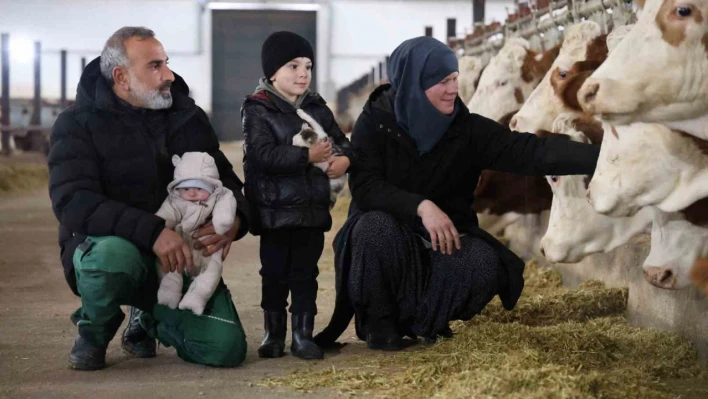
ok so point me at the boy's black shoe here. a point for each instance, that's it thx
(135, 341)
(276, 326)
(303, 345)
(85, 355)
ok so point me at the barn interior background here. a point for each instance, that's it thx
(215, 46)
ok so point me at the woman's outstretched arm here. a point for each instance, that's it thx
(498, 148)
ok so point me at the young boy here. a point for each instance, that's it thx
(290, 196)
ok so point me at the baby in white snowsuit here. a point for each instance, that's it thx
(195, 194)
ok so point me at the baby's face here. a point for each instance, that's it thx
(193, 194)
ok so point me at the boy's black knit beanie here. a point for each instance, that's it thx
(281, 48)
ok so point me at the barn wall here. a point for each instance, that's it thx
(684, 312)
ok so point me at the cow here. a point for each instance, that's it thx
(678, 240)
(645, 164)
(509, 78)
(575, 230)
(470, 71)
(582, 51)
(699, 274)
(659, 72)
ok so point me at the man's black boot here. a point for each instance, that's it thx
(381, 334)
(86, 355)
(135, 341)
(276, 326)
(303, 345)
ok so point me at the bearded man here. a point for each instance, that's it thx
(109, 164)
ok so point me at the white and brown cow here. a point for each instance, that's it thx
(678, 240)
(583, 50)
(699, 274)
(509, 79)
(646, 164)
(659, 72)
(470, 70)
(575, 229)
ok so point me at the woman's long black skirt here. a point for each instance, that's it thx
(393, 275)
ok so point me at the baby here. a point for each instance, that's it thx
(195, 194)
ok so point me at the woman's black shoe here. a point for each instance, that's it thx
(275, 329)
(381, 334)
(444, 333)
(303, 345)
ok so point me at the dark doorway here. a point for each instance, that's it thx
(237, 36)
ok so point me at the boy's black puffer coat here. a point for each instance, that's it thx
(283, 188)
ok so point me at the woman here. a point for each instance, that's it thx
(419, 156)
(290, 197)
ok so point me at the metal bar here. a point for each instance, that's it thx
(37, 100)
(83, 64)
(63, 79)
(429, 31)
(5, 92)
(381, 72)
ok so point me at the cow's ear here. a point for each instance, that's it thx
(176, 160)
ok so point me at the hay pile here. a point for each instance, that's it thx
(557, 343)
(17, 177)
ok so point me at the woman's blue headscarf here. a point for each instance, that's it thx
(414, 67)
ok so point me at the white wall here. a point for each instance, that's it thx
(354, 35)
(366, 31)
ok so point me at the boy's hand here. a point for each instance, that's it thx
(173, 252)
(320, 152)
(338, 167)
(215, 241)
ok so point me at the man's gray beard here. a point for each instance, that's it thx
(151, 99)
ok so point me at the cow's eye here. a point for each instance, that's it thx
(563, 74)
(554, 179)
(683, 11)
(503, 83)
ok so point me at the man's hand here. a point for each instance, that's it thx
(215, 242)
(173, 252)
(337, 167)
(319, 152)
(439, 226)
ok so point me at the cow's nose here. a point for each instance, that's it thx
(588, 92)
(588, 196)
(543, 252)
(514, 122)
(661, 277)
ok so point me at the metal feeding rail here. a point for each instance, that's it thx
(553, 15)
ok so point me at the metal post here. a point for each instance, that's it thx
(429, 31)
(451, 28)
(63, 79)
(5, 122)
(381, 73)
(83, 64)
(37, 101)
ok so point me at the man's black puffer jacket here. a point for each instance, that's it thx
(110, 163)
(285, 191)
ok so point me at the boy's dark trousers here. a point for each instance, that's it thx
(289, 263)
